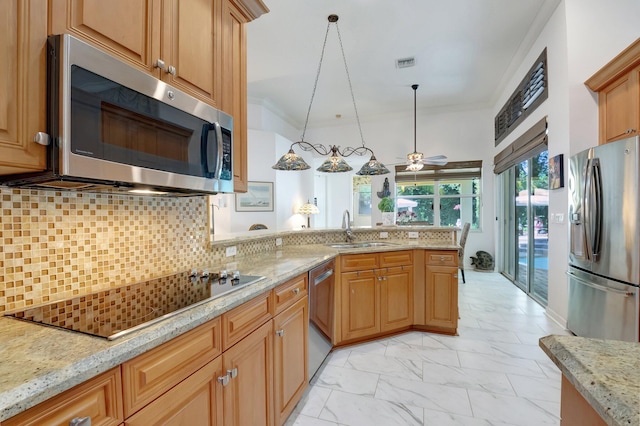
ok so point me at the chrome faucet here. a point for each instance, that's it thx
(346, 225)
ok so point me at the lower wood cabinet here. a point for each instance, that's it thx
(100, 399)
(290, 358)
(441, 291)
(197, 400)
(248, 396)
(377, 299)
(574, 408)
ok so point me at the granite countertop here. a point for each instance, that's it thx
(39, 362)
(605, 372)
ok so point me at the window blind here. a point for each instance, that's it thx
(532, 142)
(451, 170)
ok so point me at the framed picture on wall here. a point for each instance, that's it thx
(556, 172)
(258, 198)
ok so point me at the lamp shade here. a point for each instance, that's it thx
(372, 167)
(291, 161)
(308, 208)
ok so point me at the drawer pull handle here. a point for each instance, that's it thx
(296, 291)
(441, 258)
(279, 333)
(80, 421)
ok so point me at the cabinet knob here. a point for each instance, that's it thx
(224, 380)
(296, 291)
(441, 258)
(279, 333)
(80, 421)
(171, 70)
(42, 138)
(159, 64)
(233, 373)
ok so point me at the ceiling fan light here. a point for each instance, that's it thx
(415, 156)
(414, 167)
(291, 161)
(372, 167)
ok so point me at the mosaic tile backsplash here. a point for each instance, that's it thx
(57, 245)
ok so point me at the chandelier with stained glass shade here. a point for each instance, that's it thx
(336, 162)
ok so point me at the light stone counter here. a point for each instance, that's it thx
(605, 372)
(38, 362)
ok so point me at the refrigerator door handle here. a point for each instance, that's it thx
(601, 287)
(586, 202)
(597, 220)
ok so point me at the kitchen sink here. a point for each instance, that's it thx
(360, 244)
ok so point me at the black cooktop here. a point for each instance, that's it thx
(116, 312)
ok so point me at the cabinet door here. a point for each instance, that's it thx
(23, 39)
(99, 398)
(619, 108)
(360, 304)
(191, 47)
(127, 29)
(234, 90)
(248, 397)
(195, 401)
(441, 297)
(290, 358)
(396, 299)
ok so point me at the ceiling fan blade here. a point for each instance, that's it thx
(434, 162)
(437, 157)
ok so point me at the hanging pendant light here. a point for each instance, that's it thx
(335, 163)
(415, 159)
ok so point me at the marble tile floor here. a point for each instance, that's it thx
(493, 373)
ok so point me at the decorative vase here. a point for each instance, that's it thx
(387, 218)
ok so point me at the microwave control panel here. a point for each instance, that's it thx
(227, 147)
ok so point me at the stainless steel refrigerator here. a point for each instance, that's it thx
(604, 257)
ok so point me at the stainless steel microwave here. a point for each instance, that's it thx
(113, 126)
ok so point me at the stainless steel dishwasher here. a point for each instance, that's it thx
(321, 283)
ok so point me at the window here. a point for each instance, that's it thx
(440, 195)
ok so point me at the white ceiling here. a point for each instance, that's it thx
(464, 50)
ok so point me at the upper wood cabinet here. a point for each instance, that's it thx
(618, 87)
(176, 41)
(234, 91)
(23, 39)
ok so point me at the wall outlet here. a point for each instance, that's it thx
(559, 217)
(231, 251)
(384, 235)
(278, 241)
(412, 234)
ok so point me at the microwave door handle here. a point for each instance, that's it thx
(597, 206)
(220, 152)
(204, 150)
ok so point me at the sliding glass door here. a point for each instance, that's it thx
(525, 225)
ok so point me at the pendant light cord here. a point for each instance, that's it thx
(333, 19)
(353, 98)
(415, 120)
(315, 84)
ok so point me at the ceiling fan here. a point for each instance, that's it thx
(416, 160)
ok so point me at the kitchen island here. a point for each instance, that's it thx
(40, 362)
(606, 373)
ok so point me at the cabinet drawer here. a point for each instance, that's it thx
(442, 258)
(240, 321)
(358, 262)
(151, 374)
(396, 258)
(99, 398)
(290, 292)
